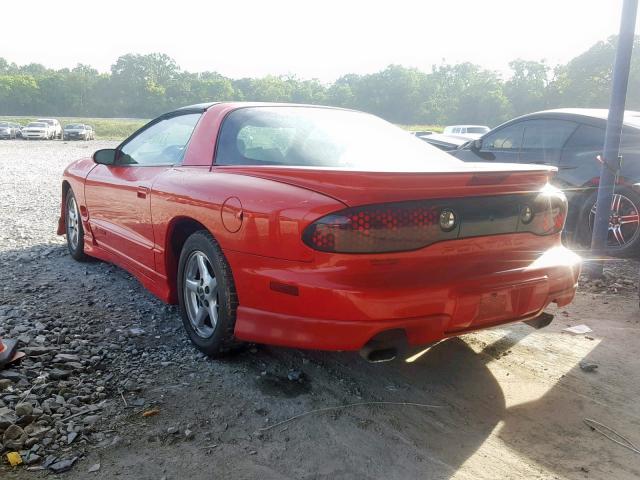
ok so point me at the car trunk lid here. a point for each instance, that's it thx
(354, 188)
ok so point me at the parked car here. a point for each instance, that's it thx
(571, 140)
(316, 227)
(444, 142)
(37, 130)
(78, 131)
(56, 128)
(9, 130)
(470, 132)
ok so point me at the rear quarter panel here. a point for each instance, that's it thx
(271, 218)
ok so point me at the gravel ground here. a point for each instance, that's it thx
(111, 387)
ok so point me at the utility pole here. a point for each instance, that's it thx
(611, 149)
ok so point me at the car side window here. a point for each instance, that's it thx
(583, 146)
(543, 140)
(507, 139)
(163, 143)
(265, 144)
(546, 134)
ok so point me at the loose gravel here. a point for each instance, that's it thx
(96, 342)
(83, 328)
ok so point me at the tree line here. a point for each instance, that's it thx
(143, 86)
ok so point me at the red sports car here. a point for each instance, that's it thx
(320, 228)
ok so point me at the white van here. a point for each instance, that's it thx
(471, 132)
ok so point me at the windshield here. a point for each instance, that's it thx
(37, 124)
(74, 126)
(323, 137)
(477, 129)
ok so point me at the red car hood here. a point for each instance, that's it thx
(355, 188)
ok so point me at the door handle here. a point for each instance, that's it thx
(142, 191)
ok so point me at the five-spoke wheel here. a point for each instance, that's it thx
(207, 294)
(624, 222)
(74, 229)
(201, 294)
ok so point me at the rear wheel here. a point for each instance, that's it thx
(207, 295)
(74, 229)
(624, 222)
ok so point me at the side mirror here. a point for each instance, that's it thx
(476, 144)
(106, 156)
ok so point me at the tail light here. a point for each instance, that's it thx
(546, 214)
(390, 227)
(403, 226)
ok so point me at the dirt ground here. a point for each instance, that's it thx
(505, 403)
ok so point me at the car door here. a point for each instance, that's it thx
(501, 145)
(118, 196)
(579, 168)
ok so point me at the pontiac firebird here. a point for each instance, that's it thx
(316, 227)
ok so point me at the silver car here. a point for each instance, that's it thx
(9, 130)
(78, 131)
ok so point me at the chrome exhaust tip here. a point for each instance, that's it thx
(385, 346)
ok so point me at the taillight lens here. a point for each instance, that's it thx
(388, 227)
(547, 213)
(403, 226)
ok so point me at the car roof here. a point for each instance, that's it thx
(198, 106)
(239, 104)
(631, 117)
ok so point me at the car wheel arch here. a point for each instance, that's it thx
(66, 186)
(178, 231)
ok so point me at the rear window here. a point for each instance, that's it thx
(322, 137)
(477, 130)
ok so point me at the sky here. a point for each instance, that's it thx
(320, 39)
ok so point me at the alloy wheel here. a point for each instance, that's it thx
(201, 294)
(73, 231)
(624, 221)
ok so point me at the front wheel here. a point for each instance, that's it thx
(207, 295)
(74, 229)
(624, 222)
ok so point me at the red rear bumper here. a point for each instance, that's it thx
(447, 289)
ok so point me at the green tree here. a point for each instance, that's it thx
(526, 90)
(146, 85)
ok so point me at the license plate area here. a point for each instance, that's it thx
(499, 303)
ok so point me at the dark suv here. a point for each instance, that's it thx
(571, 140)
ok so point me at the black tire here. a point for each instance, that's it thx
(584, 229)
(222, 341)
(76, 251)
